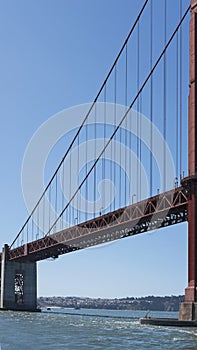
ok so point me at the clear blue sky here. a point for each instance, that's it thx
(55, 55)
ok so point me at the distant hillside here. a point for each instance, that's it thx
(152, 303)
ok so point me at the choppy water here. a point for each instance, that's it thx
(90, 329)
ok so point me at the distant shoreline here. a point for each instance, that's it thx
(152, 303)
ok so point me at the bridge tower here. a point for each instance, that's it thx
(18, 284)
(188, 309)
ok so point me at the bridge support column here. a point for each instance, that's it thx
(188, 309)
(18, 284)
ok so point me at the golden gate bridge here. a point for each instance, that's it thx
(148, 76)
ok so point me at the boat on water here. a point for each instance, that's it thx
(77, 307)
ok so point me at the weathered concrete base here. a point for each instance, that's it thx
(172, 322)
(21, 296)
(187, 317)
(188, 311)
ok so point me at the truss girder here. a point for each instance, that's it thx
(162, 210)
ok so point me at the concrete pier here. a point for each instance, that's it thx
(18, 284)
(188, 311)
(167, 322)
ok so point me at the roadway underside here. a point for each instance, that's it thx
(168, 208)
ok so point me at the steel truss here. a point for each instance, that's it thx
(162, 210)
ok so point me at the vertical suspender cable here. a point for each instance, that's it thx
(104, 138)
(126, 132)
(32, 229)
(95, 141)
(78, 200)
(138, 86)
(140, 147)
(119, 179)
(110, 174)
(114, 161)
(140, 130)
(49, 218)
(86, 167)
(37, 235)
(22, 240)
(56, 195)
(43, 216)
(70, 188)
(130, 148)
(164, 102)
(151, 99)
(27, 231)
(62, 219)
(180, 99)
(177, 107)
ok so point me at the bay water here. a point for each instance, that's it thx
(90, 329)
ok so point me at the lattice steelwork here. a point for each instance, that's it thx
(166, 209)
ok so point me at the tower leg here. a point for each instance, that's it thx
(188, 309)
(18, 284)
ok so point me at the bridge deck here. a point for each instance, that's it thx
(162, 210)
